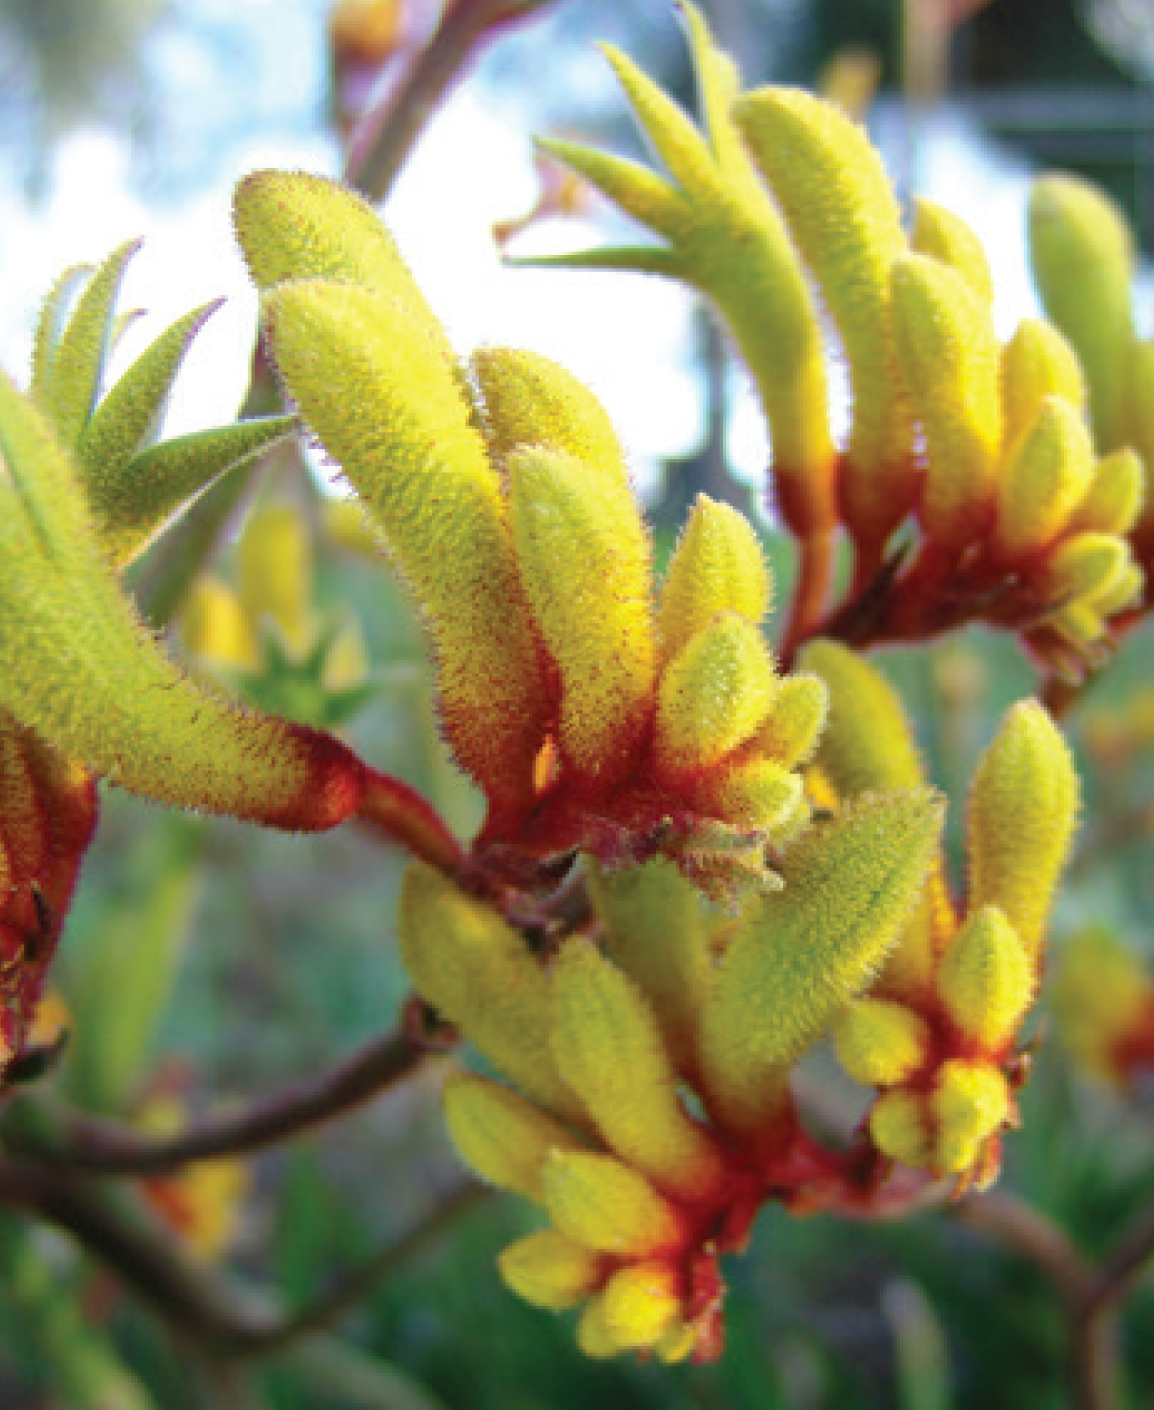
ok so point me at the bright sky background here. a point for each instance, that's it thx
(628, 336)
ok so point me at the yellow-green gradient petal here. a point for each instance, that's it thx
(948, 354)
(381, 397)
(1114, 500)
(713, 695)
(1022, 813)
(867, 746)
(609, 1049)
(597, 1201)
(986, 980)
(880, 1043)
(1037, 363)
(478, 973)
(718, 566)
(551, 1271)
(1047, 475)
(842, 212)
(946, 237)
(799, 956)
(500, 1135)
(583, 556)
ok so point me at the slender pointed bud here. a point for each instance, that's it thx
(1047, 474)
(641, 193)
(668, 127)
(946, 237)
(654, 929)
(757, 792)
(899, 1123)
(77, 666)
(608, 1047)
(801, 955)
(1037, 363)
(477, 972)
(274, 559)
(842, 212)
(971, 1102)
(718, 566)
(584, 563)
(713, 696)
(986, 980)
(70, 391)
(551, 1271)
(867, 746)
(641, 1304)
(1081, 253)
(214, 628)
(1113, 502)
(529, 400)
(596, 1201)
(293, 225)
(1086, 567)
(880, 1043)
(793, 728)
(948, 353)
(378, 391)
(501, 1136)
(1022, 812)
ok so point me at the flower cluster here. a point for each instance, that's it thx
(938, 1030)
(589, 717)
(1103, 998)
(1020, 520)
(650, 1111)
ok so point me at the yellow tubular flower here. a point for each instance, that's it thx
(1022, 813)
(713, 695)
(655, 929)
(758, 792)
(214, 627)
(948, 354)
(1082, 257)
(528, 400)
(583, 557)
(971, 1102)
(609, 1047)
(640, 1305)
(867, 745)
(1048, 474)
(1113, 502)
(1086, 567)
(1037, 363)
(549, 1270)
(946, 237)
(842, 212)
(793, 728)
(900, 1127)
(881, 1043)
(718, 566)
(399, 424)
(986, 980)
(291, 225)
(500, 1135)
(597, 1201)
(477, 972)
(802, 954)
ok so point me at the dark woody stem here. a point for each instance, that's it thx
(78, 1143)
(217, 1316)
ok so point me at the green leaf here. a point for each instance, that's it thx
(70, 389)
(133, 407)
(154, 483)
(641, 259)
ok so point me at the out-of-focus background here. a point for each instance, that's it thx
(205, 961)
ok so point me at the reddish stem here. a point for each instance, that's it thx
(814, 573)
(403, 816)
